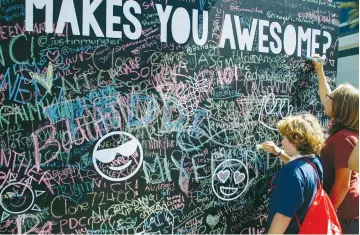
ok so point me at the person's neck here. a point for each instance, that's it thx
(295, 154)
(299, 155)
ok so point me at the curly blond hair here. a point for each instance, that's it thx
(304, 132)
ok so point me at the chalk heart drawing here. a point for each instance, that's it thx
(46, 80)
(117, 156)
(52, 56)
(223, 175)
(238, 177)
(230, 179)
(212, 220)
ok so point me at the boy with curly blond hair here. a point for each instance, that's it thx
(293, 187)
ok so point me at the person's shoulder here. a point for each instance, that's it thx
(292, 168)
(300, 167)
(303, 163)
(316, 159)
(341, 137)
(345, 133)
(317, 162)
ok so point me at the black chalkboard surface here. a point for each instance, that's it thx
(122, 117)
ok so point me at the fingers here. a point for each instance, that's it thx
(267, 145)
(316, 58)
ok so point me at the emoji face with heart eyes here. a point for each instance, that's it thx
(230, 179)
(117, 156)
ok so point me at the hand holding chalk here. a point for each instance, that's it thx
(318, 62)
(269, 147)
(318, 59)
(259, 146)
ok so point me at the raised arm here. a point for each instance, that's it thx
(324, 87)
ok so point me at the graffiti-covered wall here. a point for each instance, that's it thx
(122, 117)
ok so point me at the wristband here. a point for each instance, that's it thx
(279, 153)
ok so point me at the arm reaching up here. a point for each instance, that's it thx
(324, 88)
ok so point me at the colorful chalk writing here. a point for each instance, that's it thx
(126, 116)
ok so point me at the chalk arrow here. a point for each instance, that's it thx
(35, 208)
(38, 193)
(4, 215)
(29, 180)
(12, 177)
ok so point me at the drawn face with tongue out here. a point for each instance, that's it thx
(230, 179)
(117, 156)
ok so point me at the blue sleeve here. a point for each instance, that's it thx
(290, 195)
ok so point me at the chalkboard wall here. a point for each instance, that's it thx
(122, 117)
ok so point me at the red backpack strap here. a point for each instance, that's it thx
(297, 220)
(319, 185)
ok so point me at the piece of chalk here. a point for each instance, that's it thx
(310, 58)
(318, 58)
(258, 146)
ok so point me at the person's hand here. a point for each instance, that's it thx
(319, 66)
(270, 147)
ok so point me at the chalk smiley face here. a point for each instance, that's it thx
(117, 156)
(16, 198)
(230, 179)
